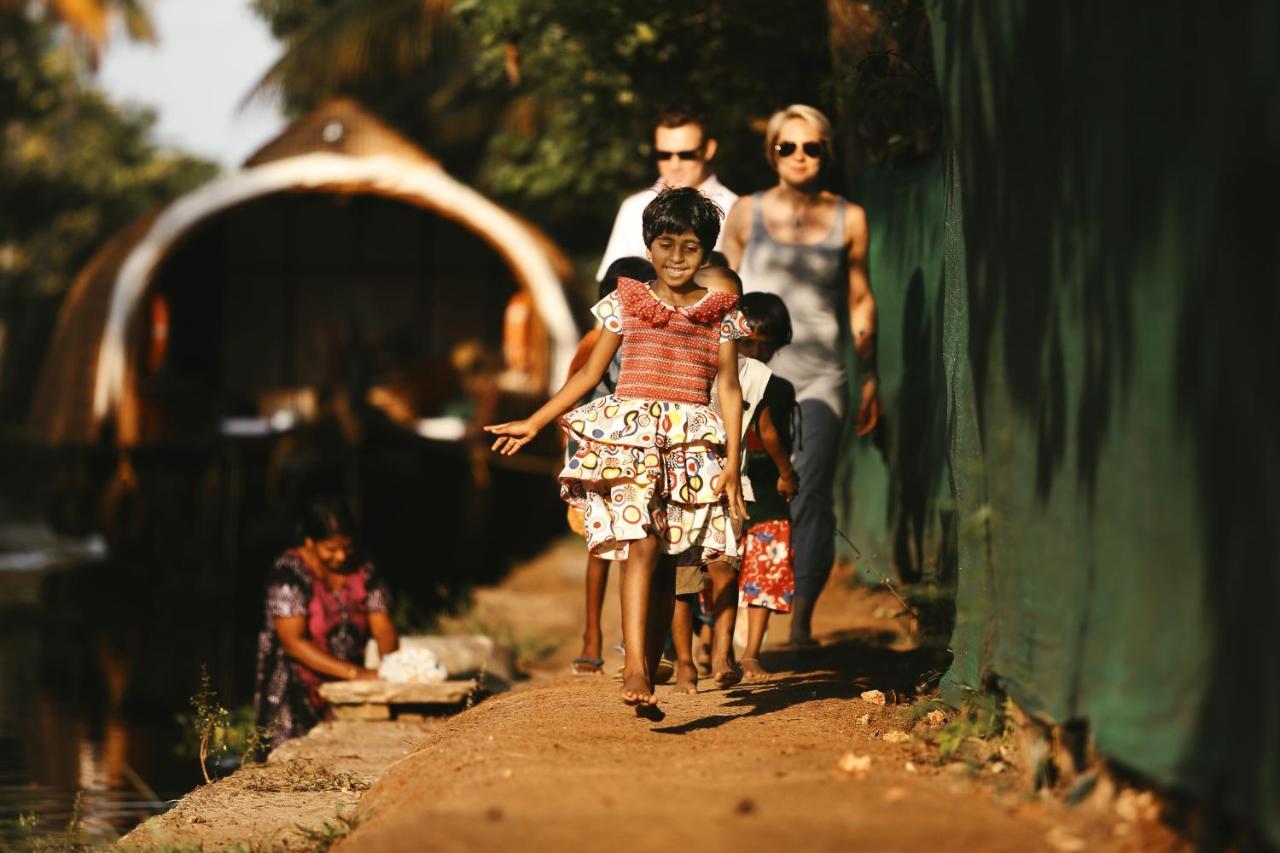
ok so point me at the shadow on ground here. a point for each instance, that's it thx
(853, 661)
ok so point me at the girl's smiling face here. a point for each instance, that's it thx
(676, 257)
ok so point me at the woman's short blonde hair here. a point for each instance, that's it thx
(811, 115)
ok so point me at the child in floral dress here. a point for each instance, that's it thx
(656, 470)
(767, 577)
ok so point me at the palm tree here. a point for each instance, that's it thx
(353, 41)
(89, 21)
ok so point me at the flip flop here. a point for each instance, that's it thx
(596, 664)
(665, 671)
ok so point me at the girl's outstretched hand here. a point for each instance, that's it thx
(512, 436)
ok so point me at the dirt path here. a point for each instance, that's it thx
(560, 764)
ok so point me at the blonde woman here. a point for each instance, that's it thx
(809, 247)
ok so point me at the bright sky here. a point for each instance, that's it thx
(210, 53)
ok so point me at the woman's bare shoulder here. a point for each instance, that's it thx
(741, 209)
(855, 220)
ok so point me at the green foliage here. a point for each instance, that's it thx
(587, 78)
(320, 839)
(885, 83)
(214, 733)
(403, 60)
(548, 104)
(70, 839)
(966, 738)
(73, 167)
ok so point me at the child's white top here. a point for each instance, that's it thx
(753, 376)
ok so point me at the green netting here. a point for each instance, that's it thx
(887, 490)
(1078, 335)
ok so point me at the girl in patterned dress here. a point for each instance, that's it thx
(656, 470)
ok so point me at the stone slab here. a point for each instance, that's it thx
(362, 712)
(381, 692)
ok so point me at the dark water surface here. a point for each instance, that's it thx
(68, 729)
(101, 647)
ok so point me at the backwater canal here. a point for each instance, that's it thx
(102, 646)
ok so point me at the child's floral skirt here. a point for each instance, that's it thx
(644, 466)
(767, 576)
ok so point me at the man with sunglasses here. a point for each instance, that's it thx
(683, 151)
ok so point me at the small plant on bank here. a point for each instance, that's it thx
(320, 839)
(965, 738)
(215, 734)
(70, 840)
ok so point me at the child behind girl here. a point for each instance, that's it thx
(591, 659)
(721, 601)
(656, 471)
(767, 576)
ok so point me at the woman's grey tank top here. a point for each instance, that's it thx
(812, 280)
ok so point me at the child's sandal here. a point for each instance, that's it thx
(594, 666)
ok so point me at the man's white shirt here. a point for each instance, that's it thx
(627, 239)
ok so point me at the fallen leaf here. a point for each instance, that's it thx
(855, 765)
(1059, 838)
(895, 794)
(1137, 806)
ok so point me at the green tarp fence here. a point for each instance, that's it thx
(1079, 344)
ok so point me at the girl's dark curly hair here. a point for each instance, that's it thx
(676, 211)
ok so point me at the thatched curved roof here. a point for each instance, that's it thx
(337, 149)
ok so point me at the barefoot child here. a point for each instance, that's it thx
(591, 661)
(656, 471)
(721, 600)
(767, 576)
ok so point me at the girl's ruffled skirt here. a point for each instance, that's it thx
(644, 466)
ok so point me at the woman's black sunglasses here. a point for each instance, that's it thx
(660, 155)
(811, 149)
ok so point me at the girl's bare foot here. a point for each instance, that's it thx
(636, 690)
(726, 675)
(686, 679)
(702, 656)
(753, 672)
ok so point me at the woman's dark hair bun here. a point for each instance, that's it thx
(324, 518)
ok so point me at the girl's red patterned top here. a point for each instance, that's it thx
(669, 353)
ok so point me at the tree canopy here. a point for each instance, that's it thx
(549, 105)
(74, 167)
